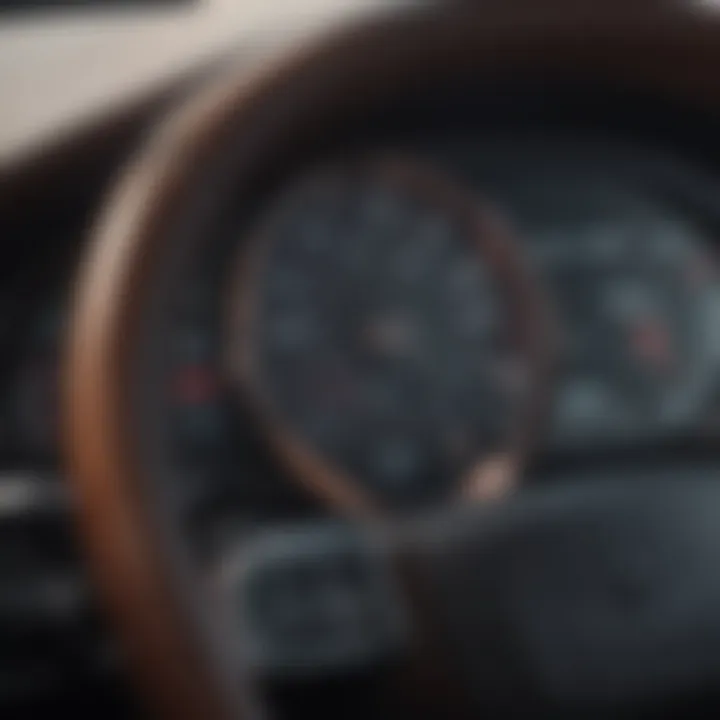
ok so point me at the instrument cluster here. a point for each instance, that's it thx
(423, 323)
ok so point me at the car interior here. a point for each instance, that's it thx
(360, 359)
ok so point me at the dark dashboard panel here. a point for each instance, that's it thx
(614, 204)
(621, 235)
(621, 232)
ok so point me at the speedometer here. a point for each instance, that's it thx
(389, 336)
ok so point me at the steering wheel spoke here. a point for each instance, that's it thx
(315, 600)
(599, 597)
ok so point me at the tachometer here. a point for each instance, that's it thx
(387, 332)
(638, 298)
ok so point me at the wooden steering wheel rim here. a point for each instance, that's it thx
(675, 53)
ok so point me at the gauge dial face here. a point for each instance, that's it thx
(379, 333)
(637, 297)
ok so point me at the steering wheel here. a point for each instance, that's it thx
(603, 598)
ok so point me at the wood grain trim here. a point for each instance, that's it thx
(674, 53)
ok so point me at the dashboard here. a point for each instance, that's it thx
(380, 336)
(439, 316)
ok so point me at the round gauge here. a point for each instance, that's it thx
(638, 298)
(386, 330)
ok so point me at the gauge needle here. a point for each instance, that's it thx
(652, 342)
(492, 478)
(392, 336)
